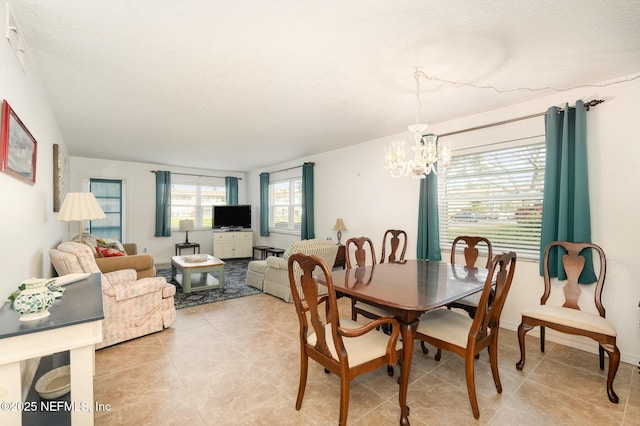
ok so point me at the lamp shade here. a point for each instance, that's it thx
(186, 225)
(339, 226)
(80, 206)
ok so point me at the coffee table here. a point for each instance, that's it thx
(195, 276)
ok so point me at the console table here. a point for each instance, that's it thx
(74, 325)
(189, 245)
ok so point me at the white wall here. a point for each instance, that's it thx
(139, 200)
(27, 221)
(351, 183)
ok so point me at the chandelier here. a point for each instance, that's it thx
(427, 149)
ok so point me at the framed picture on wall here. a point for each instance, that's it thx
(60, 167)
(18, 148)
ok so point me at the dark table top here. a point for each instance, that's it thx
(81, 302)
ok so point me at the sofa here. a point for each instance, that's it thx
(275, 276)
(141, 263)
(132, 307)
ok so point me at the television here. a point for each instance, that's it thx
(231, 217)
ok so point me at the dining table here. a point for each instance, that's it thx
(406, 290)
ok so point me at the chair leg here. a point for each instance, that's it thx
(354, 314)
(424, 347)
(304, 364)
(493, 360)
(522, 330)
(438, 355)
(601, 354)
(390, 370)
(469, 363)
(614, 362)
(344, 400)
(541, 338)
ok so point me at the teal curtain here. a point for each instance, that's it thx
(428, 231)
(307, 231)
(163, 204)
(231, 187)
(565, 213)
(264, 204)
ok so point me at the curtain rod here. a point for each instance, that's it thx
(191, 174)
(587, 105)
(290, 168)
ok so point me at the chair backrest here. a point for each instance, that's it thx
(393, 238)
(310, 300)
(360, 252)
(573, 262)
(500, 276)
(471, 251)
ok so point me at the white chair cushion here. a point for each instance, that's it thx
(471, 300)
(448, 326)
(360, 349)
(372, 309)
(572, 318)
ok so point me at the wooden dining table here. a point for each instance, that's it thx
(407, 290)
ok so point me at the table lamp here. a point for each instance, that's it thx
(80, 206)
(339, 226)
(187, 225)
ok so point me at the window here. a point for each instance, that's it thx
(108, 193)
(194, 201)
(496, 194)
(285, 204)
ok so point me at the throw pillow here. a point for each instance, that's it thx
(110, 243)
(108, 252)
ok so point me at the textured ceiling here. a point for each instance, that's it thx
(236, 85)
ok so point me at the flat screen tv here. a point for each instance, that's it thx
(231, 217)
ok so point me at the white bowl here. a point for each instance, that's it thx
(55, 383)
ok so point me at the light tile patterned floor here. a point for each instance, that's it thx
(236, 362)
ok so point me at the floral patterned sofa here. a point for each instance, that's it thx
(132, 307)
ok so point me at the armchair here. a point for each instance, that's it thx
(276, 275)
(132, 307)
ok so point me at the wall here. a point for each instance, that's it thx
(139, 202)
(351, 183)
(27, 222)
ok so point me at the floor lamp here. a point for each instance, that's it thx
(80, 206)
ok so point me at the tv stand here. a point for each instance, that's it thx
(232, 243)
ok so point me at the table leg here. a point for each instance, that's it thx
(81, 368)
(10, 394)
(408, 333)
(186, 280)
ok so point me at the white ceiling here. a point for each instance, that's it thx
(240, 84)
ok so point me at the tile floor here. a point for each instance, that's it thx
(236, 362)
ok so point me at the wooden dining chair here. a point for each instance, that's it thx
(471, 254)
(569, 318)
(465, 336)
(342, 346)
(392, 239)
(357, 248)
(470, 251)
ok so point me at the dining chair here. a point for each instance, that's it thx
(471, 253)
(569, 318)
(469, 245)
(392, 239)
(342, 346)
(358, 248)
(466, 336)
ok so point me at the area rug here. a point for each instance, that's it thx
(235, 272)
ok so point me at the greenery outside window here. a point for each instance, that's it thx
(108, 193)
(194, 201)
(285, 205)
(496, 194)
